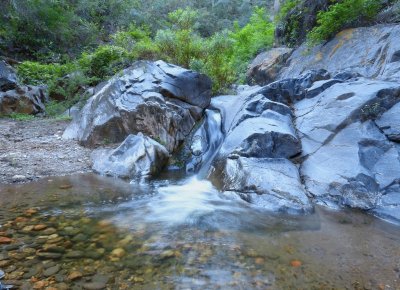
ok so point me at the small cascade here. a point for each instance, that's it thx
(205, 144)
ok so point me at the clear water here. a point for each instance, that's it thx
(183, 234)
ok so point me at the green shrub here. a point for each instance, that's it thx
(104, 62)
(341, 15)
(35, 73)
(286, 7)
(255, 36)
(21, 117)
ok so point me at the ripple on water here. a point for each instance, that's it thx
(88, 232)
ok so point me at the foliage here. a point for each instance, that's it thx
(255, 36)
(284, 10)
(104, 62)
(21, 117)
(223, 56)
(341, 15)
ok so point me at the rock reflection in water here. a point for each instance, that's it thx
(88, 232)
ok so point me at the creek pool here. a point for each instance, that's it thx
(92, 232)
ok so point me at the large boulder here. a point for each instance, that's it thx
(8, 77)
(253, 159)
(271, 183)
(24, 100)
(160, 100)
(266, 66)
(347, 133)
(372, 52)
(137, 157)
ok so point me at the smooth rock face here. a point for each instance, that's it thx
(158, 99)
(252, 161)
(265, 67)
(8, 77)
(23, 99)
(271, 183)
(320, 118)
(372, 52)
(136, 158)
(389, 123)
(349, 157)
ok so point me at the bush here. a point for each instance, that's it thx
(104, 62)
(342, 15)
(255, 36)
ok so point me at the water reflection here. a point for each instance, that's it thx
(87, 231)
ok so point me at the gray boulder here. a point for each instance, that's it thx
(252, 161)
(271, 183)
(137, 157)
(160, 100)
(349, 157)
(8, 77)
(23, 99)
(320, 118)
(266, 66)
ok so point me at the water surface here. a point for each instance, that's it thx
(86, 231)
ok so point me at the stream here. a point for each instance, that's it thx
(180, 232)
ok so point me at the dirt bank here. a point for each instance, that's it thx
(30, 150)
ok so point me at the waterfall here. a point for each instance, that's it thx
(205, 144)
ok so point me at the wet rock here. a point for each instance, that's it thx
(137, 157)
(48, 255)
(74, 255)
(74, 275)
(271, 183)
(94, 286)
(266, 66)
(39, 227)
(158, 99)
(118, 253)
(5, 240)
(52, 271)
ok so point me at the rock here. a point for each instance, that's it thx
(5, 240)
(293, 28)
(271, 183)
(94, 286)
(291, 90)
(24, 100)
(158, 99)
(348, 52)
(39, 227)
(389, 123)
(269, 135)
(74, 275)
(8, 77)
(137, 157)
(265, 67)
(48, 255)
(341, 105)
(118, 253)
(52, 271)
(348, 160)
(18, 178)
(74, 255)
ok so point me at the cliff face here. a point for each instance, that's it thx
(372, 52)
